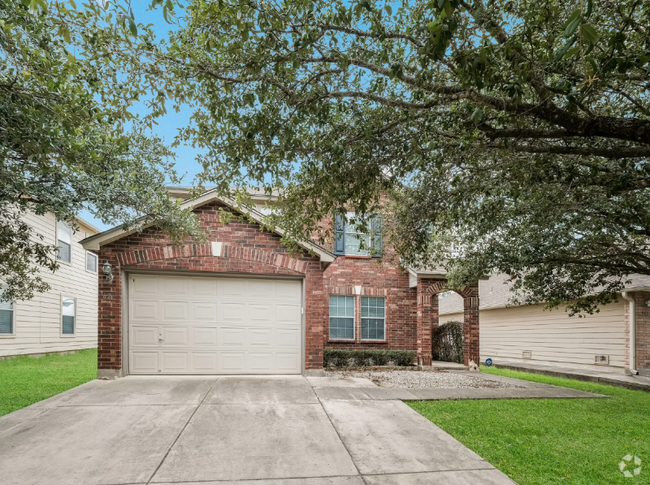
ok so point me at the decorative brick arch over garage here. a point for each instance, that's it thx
(238, 248)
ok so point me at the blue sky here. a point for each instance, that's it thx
(169, 124)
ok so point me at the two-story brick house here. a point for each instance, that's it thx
(241, 304)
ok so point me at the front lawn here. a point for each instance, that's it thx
(26, 380)
(553, 441)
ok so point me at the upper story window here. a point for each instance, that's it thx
(91, 262)
(64, 241)
(350, 241)
(6, 316)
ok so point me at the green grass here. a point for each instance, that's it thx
(26, 380)
(553, 441)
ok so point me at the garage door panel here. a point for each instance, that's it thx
(201, 325)
(175, 310)
(204, 311)
(260, 289)
(175, 287)
(285, 362)
(232, 362)
(204, 287)
(144, 362)
(231, 337)
(145, 335)
(204, 362)
(204, 337)
(231, 312)
(288, 290)
(259, 362)
(287, 313)
(144, 310)
(174, 362)
(232, 288)
(260, 337)
(258, 312)
(142, 287)
(175, 336)
(287, 337)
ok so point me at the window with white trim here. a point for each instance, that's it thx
(68, 315)
(6, 316)
(373, 318)
(341, 318)
(64, 241)
(91, 262)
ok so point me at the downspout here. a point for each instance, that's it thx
(630, 299)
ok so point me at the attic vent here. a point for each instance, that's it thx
(601, 360)
(527, 354)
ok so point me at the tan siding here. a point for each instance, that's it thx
(37, 323)
(552, 336)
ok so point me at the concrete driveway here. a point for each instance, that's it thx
(230, 430)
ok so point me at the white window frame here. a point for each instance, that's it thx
(56, 234)
(350, 229)
(92, 255)
(13, 320)
(354, 320)
(362, 318)
(68, 335)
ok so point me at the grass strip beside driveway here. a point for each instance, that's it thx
(26, 380)
(553, 441)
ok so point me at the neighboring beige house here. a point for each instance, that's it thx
(65, 317)
(528, 333)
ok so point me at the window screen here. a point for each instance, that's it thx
(373, 318)
(341, 317)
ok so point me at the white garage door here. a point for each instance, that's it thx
(208, 325)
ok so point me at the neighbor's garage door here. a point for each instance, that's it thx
(201, 325)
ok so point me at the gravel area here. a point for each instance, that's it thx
(424, 379)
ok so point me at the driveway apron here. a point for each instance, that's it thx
(230, 430)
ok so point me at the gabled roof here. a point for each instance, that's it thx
(93, 243)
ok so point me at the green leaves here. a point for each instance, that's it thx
(589, 33)
(573, 23)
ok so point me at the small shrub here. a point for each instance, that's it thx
(448, 342)
(365, 358)
(380, 357)
(401, 357)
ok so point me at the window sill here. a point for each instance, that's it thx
(355, 256)
(6, 335)
(373, 341)
(341, 341)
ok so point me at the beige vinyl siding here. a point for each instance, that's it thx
(37, 322)
(552, 336)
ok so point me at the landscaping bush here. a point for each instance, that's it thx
(448, 342)
(365, 358)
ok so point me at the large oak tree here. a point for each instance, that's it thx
(67, 140)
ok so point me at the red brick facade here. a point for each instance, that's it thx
(411, 313)
(245, 249)
(374, 277)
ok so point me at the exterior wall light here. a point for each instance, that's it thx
(107, 269)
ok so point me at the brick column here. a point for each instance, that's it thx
(642, 334)
(427, 311)
(471, 324)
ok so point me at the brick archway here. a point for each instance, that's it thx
(428, 318)
(215, 249)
